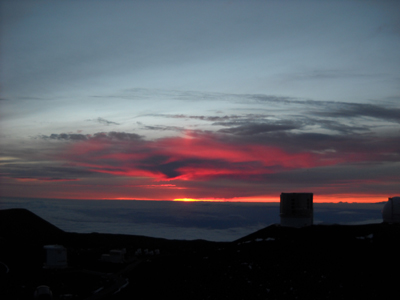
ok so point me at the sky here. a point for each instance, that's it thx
(207, 100)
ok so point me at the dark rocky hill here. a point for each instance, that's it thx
(22, 224)
(315, 262)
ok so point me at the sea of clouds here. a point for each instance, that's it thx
(219, 221)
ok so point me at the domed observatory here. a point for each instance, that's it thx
(296, 209)
(391, 211)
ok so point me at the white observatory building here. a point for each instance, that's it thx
(56, 257)
(296, 209)
(391, 211)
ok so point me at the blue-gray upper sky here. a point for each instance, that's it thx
(312, 77)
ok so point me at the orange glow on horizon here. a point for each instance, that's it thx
(350, 198)
(266, 199)
(317, 199)
(198, 200)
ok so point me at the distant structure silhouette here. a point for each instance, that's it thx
(43, 292)
(296, 209)
(56, 257)
(391, 211)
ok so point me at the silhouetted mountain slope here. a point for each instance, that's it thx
(23, 225)
(315, 262)
(330, 233)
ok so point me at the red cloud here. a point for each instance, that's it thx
(25, 179)
(192, 157)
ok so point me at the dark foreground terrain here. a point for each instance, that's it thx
(316, 262)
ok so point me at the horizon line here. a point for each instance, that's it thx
(320, 199)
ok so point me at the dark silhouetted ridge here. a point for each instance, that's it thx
(314, 262)
(327, 233)
(24, 225)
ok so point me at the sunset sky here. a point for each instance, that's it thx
(211, 100)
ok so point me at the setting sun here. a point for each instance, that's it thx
(198, 200)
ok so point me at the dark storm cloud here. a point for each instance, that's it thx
(340, 174)
(339, 127)
(122, 136)
(104, 121)
(255, 129)
(351, 110)
(335, 109)
(315, 108)
(170, 169)
(41, 170)
(54, 179)
(271, 99)
(195, 96)
(351, 178)
(66, 136)
(164, 128)
(258, 124)
(358, 147)
(113, 135)
(307, 108)
(206, 118)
